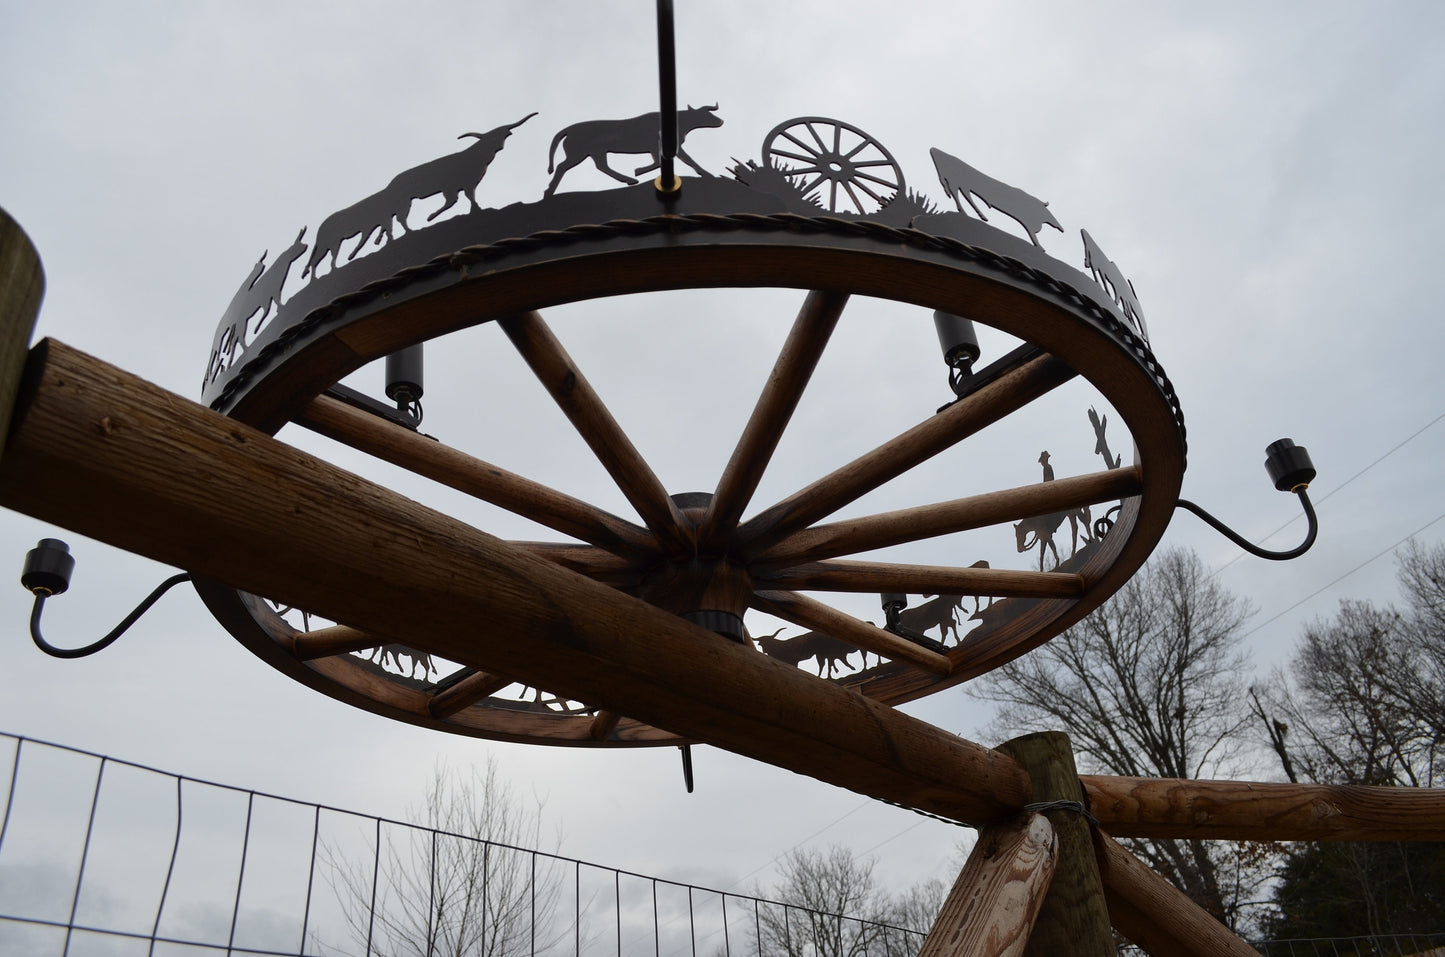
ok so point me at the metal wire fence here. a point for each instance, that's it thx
(107, 858)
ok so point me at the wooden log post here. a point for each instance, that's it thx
(992, 906)
(1073, 920)
(22, 285)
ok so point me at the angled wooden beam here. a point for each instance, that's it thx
(991, 908)
(603, 724)
(853, 535)
(22, 286)
(582, 405)
(1260, 811)
(1155, 914)
(779, 399)
(99, 451)
(490, 483)
(1009, 392)
(856, 576)
(827, 620)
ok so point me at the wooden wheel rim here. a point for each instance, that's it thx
(1027, 295)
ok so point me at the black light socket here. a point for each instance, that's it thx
(404, 375)
(48, 567)
(1289, 465)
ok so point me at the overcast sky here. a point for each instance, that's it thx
(1268, 175)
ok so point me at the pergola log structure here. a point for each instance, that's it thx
(101, 452)
(96, 450)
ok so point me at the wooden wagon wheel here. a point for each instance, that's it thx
(694, 554)
(820, 154)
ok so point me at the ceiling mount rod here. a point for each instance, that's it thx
(667, 181)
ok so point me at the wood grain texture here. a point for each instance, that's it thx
(776, 404)
(992, 906)
(811, 613)
(1009, 393)
(868, 532)
(102, 452)
(856, 576)
(22, 286)
(1155, 914)
(490, 483)
(1258, 811)
(1073, 919)
(584, 408)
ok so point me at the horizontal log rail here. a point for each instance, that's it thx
(854, 535)
(100, 451)
(1264, 811)
(490, 483)
(856, 576)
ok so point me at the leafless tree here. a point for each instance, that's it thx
(1364, 703)
(464, 884)
(1152, 684)
(836, 909)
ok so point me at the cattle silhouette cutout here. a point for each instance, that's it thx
(454, 175)
(962, 180)
(829, 652)
(260, 291)
(596, 139)
(1107, 274)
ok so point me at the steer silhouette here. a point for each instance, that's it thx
(960, 179)
(595, 139)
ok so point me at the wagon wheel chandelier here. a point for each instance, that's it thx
(823, 210)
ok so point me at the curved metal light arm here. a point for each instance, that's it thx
(1234, 537)
(115, 633)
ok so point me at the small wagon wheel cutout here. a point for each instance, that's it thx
(823, 156)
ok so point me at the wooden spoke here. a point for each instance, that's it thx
(603, 724)
(592, 420)
(595, 563)
(1004, 393)
(465, 693)
(993, 903)
(856, 576)
(929, 521)
(779, 398)
(826, 620)
(490, 483)
(336, 640)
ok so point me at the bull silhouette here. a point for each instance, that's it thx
(595, 139)
(963, 180)
(368, 217)
(260, 291)
(453, 175)
(1107, 274)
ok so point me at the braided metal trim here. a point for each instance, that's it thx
(256, 366)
